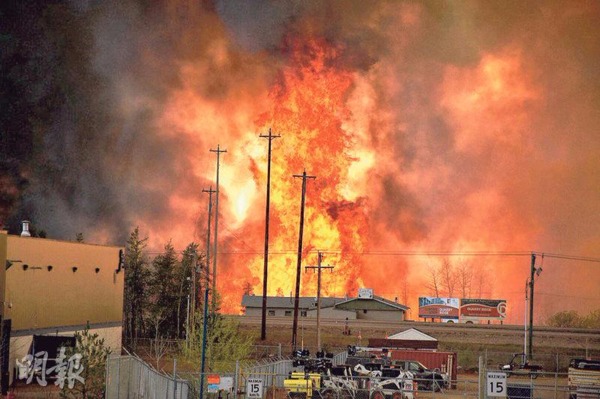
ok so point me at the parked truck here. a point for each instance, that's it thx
(427, 380)
(519, 365)
(462, 310)
(584, 378)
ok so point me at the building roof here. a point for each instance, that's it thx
(375, 303)
(282, 302)
(412, 334)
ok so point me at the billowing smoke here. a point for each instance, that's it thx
(430, 127)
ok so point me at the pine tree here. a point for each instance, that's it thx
(185, 274)
(90, 381)
(136, 282)
(164, 293)
(226, 343)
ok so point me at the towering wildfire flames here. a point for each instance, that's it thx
(452, 127)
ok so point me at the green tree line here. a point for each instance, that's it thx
(156, 306)
(571, 318)
(159, 291)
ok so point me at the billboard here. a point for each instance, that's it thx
(365, 293)
(446, 308)
(483, 308)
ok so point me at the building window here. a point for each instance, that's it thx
(288, 312)
(303, 313)
(271, 313)
(365, 311)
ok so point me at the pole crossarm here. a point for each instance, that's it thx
(270, 136)
(318, 267)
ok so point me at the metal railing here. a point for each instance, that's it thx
(130, 377)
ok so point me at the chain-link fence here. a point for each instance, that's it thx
(130, 377)
(148, 347)
(550, 362)
(526, 384)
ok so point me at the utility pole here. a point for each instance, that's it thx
(218, 151)
(525, 320)
(192, 293)
(319, 267)
(263, 329)
(210, 192)
(203, 355)
(531, 278)
(299, 264)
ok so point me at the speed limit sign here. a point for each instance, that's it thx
(496, 384)
(254, 388)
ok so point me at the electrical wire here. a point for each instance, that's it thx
(251, 251)
(567, 257)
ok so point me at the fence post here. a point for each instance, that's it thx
(119, 377)
(236, 379)
(273, 385)
(486, 356)
(556, 377)
(175, 378)
(481, 378)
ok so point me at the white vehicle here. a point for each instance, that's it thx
(360, 383)
(339, 388)
(394, 388)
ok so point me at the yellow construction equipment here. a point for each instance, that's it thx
(302, 385)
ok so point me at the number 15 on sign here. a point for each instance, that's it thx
(254, 388)
(496, 384)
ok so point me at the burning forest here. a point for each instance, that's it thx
(443, 136)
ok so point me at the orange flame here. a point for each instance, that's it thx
(389, 174)
(310, 112)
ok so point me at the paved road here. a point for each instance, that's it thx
(430, 328)
(490, 336)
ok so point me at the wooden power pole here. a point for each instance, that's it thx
(304, 177)
(319, 267)
(534, 272)
(263, 329)
(214, 281)
(210, 192)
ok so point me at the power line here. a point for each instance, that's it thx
(409, 253)
(395, 253)
(568, 296)
(239, 240)
(568, 257)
